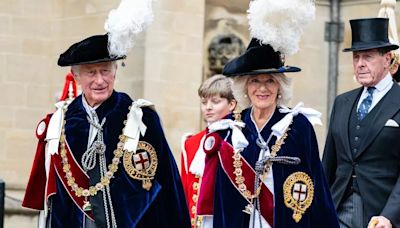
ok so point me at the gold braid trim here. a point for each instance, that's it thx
(237, 115)
(237, 163)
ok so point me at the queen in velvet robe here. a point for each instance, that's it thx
(261, 88)
(301, 142)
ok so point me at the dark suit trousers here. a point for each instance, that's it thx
(350, 212)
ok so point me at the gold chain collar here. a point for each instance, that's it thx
(237, 163)
(105, 181)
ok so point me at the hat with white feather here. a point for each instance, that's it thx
(123, 25)
(387, 10)
(275, 29)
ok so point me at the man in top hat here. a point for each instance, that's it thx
(102, 159)
(361, 158)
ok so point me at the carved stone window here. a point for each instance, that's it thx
(222, 49)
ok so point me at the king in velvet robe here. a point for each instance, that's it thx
(163, 205)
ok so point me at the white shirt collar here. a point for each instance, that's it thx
(384, 83)
(92, 131)
(87, 107)
(382, 88)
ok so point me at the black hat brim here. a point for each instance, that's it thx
(91, 62)
(258, 59)
(370, 47)
(283, 69)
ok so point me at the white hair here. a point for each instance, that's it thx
(239, 89)
(75, 70)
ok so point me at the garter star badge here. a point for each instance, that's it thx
(141, 164)
(212, 142)
(209, 143)
(298, 190)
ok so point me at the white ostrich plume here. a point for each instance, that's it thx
(125, 23)
(280, 23)
(387, 10)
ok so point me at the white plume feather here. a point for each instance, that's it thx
(387, 10)
(125, 23)
(280, 23)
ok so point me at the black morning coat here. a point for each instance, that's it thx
(375, 166)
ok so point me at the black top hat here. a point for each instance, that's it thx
(370, 33)
(93, 49)
(258, 59)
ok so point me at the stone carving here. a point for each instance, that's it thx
(222, 49)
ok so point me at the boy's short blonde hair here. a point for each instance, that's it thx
(217, 85)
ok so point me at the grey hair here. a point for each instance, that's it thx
(75, 70)
(239, 89)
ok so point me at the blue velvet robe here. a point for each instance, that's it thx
(163, 206)
(301, 142)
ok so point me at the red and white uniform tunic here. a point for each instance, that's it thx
(192, 167)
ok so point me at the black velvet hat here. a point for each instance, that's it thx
(258, 59)
(90, 50)
(369, 33)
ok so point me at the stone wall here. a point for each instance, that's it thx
(173, 66)
(165, 66)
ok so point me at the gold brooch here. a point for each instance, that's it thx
(298, 191)
(141, 164)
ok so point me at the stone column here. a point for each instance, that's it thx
(173, 66)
